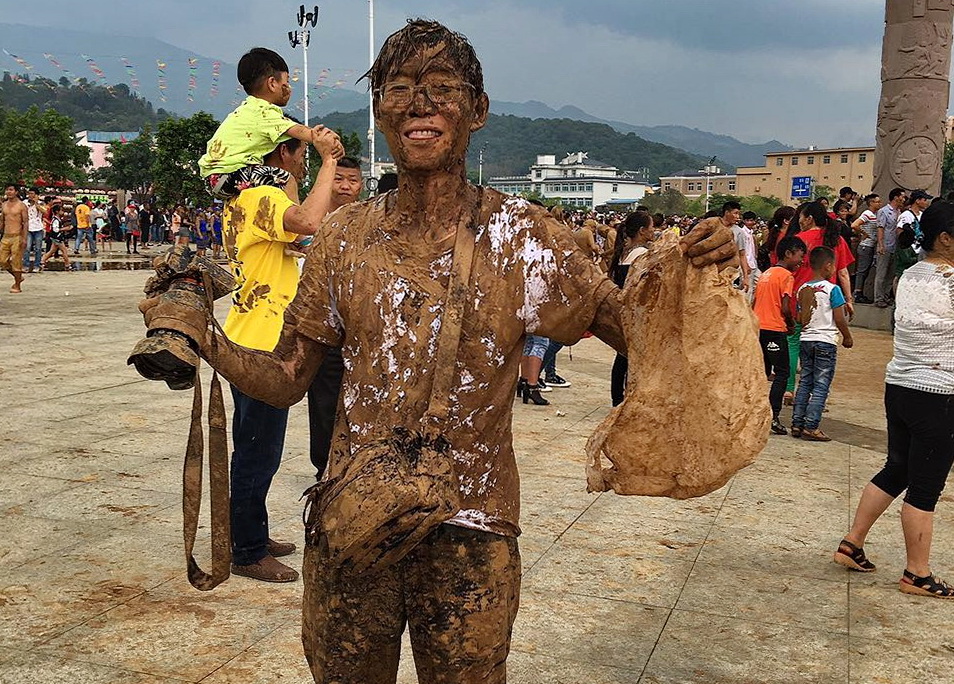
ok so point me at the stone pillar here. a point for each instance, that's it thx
(915, 85)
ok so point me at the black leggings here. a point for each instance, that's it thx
(775, 354)
(920, 445)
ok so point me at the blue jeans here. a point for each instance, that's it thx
(34, 247)
(549, 359)
(818, 370)
(85, 234)
(258, 438)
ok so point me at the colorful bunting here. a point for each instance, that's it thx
(216, 69)
(193, 65)
(131, 73)
(161, 68)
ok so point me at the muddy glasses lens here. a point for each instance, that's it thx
(401, 95)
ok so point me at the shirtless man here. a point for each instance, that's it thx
(375, 283)
(14, 224)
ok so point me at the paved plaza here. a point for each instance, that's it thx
(736, 587)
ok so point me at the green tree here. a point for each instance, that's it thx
(668, 202)
(763, 206)
(175, 167)
(130, 165)
(947, 170)
(819, 191)
(36, 144)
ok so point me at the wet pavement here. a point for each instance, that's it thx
(735, 587)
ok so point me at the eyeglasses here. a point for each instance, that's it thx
(401, 95)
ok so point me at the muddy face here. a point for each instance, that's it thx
(423, 135)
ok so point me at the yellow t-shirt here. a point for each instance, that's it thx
(255, 242)
(82, 216)
(251, 131)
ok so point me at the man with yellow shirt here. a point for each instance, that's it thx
(84, 228)
(257, 227)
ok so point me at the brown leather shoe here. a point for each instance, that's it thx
(279, 549)
(815, 436)
(267, 570)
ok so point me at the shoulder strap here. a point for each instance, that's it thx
(218, 489)
(448, 340)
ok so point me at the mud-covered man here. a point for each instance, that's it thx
(14, 224)
(375, 283)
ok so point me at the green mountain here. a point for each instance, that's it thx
(511, 144)
(92, 107)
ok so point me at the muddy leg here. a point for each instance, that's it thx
(351, 626)
(462, 589)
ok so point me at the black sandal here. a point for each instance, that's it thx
(932, 585)
(853, 557)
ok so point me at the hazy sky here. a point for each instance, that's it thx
(803, 72)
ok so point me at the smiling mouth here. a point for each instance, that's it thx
(423, 135)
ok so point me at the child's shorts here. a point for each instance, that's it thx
(226, 185)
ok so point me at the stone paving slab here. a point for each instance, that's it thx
(734, 587)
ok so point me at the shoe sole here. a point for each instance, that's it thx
(260, 578)
(847, 562)
(814, 439)
(918, 591)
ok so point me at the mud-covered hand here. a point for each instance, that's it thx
(164, 313)
(711, 242)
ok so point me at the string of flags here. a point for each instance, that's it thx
(161, 68)
(214, 88)
(193, 67)
(328, 79)
(131, 73)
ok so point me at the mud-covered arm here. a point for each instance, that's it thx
(279, 378)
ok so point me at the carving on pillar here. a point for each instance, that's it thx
(921, 53)
(915, 85)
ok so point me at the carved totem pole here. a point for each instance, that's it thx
(915, 87)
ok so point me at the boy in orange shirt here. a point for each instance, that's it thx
(773, 307)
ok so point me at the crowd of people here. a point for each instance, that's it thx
(372, 329)
(50, 227)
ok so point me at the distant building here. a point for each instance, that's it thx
(576, 181)
(834, 167)
(692, 183)
(98, 143)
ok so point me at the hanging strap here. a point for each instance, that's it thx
(218, 488)
(448, 339)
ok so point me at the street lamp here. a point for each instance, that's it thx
(710, 170)
(303, 37)
(480, 164)
(370, 92)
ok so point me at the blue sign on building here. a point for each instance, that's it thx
(801, 187)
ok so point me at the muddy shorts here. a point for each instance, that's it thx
(458, 592)
(11, 253)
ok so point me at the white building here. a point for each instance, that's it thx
(576, 181)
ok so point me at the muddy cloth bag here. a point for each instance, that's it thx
(696, 409)
(397, 490)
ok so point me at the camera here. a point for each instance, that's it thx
(181, 294)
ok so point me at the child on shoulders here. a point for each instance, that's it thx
(234, 155)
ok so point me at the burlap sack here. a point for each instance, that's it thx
(696, 409)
